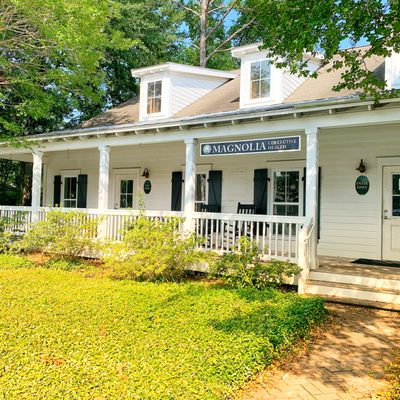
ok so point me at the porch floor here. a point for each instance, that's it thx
(346, 266)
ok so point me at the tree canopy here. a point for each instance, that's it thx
(290, 27)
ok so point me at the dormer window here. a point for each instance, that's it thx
(154, 97)
(260, 79)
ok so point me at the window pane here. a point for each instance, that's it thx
(286, 210)
(292, 187)
(157, 105)
(122, 201)
(396, 206)
(150, 106)
(201, 187)
(150, 89)
(279, 210)
(292, 211)
(129, 201)
(157, 89)
(255, 71)
(255, 90)
(279, 187)
(130, 186)
(396, 184)
(123, 186)
(265, 88)
(265, 70)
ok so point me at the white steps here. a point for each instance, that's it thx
(379, 288)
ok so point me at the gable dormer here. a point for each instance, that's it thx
(392, 71)
(261, 82)
(168, 88)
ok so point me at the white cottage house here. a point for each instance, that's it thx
(311, 174)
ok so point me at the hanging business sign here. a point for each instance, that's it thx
(270, 145)
(362, 185)
(147, 186)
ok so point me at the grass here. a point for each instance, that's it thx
(64, 336)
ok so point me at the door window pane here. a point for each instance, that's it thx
(70, 192)
(126, 193)
(396, 195)
(396, 206)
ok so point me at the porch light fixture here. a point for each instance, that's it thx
(362, 168)
(146, 173)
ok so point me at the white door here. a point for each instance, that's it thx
(391, 214)
(125, 191)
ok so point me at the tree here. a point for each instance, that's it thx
(152, 27)
(211, 29)
(50, 60)
(290, 27)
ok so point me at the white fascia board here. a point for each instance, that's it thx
(187, 69)
(254, 128)
(84, 137)
(240, 51)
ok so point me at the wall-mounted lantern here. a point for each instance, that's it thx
(362, 168)
(146, 173)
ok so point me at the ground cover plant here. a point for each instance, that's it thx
(64, 336)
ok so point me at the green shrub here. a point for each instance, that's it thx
(243, 267)
(12, 261)
(62, 235)
(151, 250)
(9, 229)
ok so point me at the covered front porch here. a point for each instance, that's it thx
(219, 199)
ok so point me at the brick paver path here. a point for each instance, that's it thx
(346, 363)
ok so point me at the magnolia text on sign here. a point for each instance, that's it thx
(270, 145)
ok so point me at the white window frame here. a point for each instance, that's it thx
(259, 80)
(156, 97)
(69, 174)
(301, 188)
(196, 202)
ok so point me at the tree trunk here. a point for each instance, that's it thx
(203, 32)
(26, 184)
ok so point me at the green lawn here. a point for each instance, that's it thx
(64, 336)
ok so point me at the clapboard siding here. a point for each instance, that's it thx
(350, 223)
(186, 89)
(290, 83)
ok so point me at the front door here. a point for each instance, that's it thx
(125, 191)
(391, 214)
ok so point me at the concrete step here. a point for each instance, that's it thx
(372, 281)
(355, 292)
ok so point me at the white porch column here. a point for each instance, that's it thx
(308, 256)
(36, 183)
(104, 177)
(312, 166)
(190, 182)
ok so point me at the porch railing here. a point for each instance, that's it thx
(276, 236)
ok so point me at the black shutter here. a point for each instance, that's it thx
(57, 191)
(319, 199)
(176, 192)
(261, 190)
(215, 188)
(82, 191)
